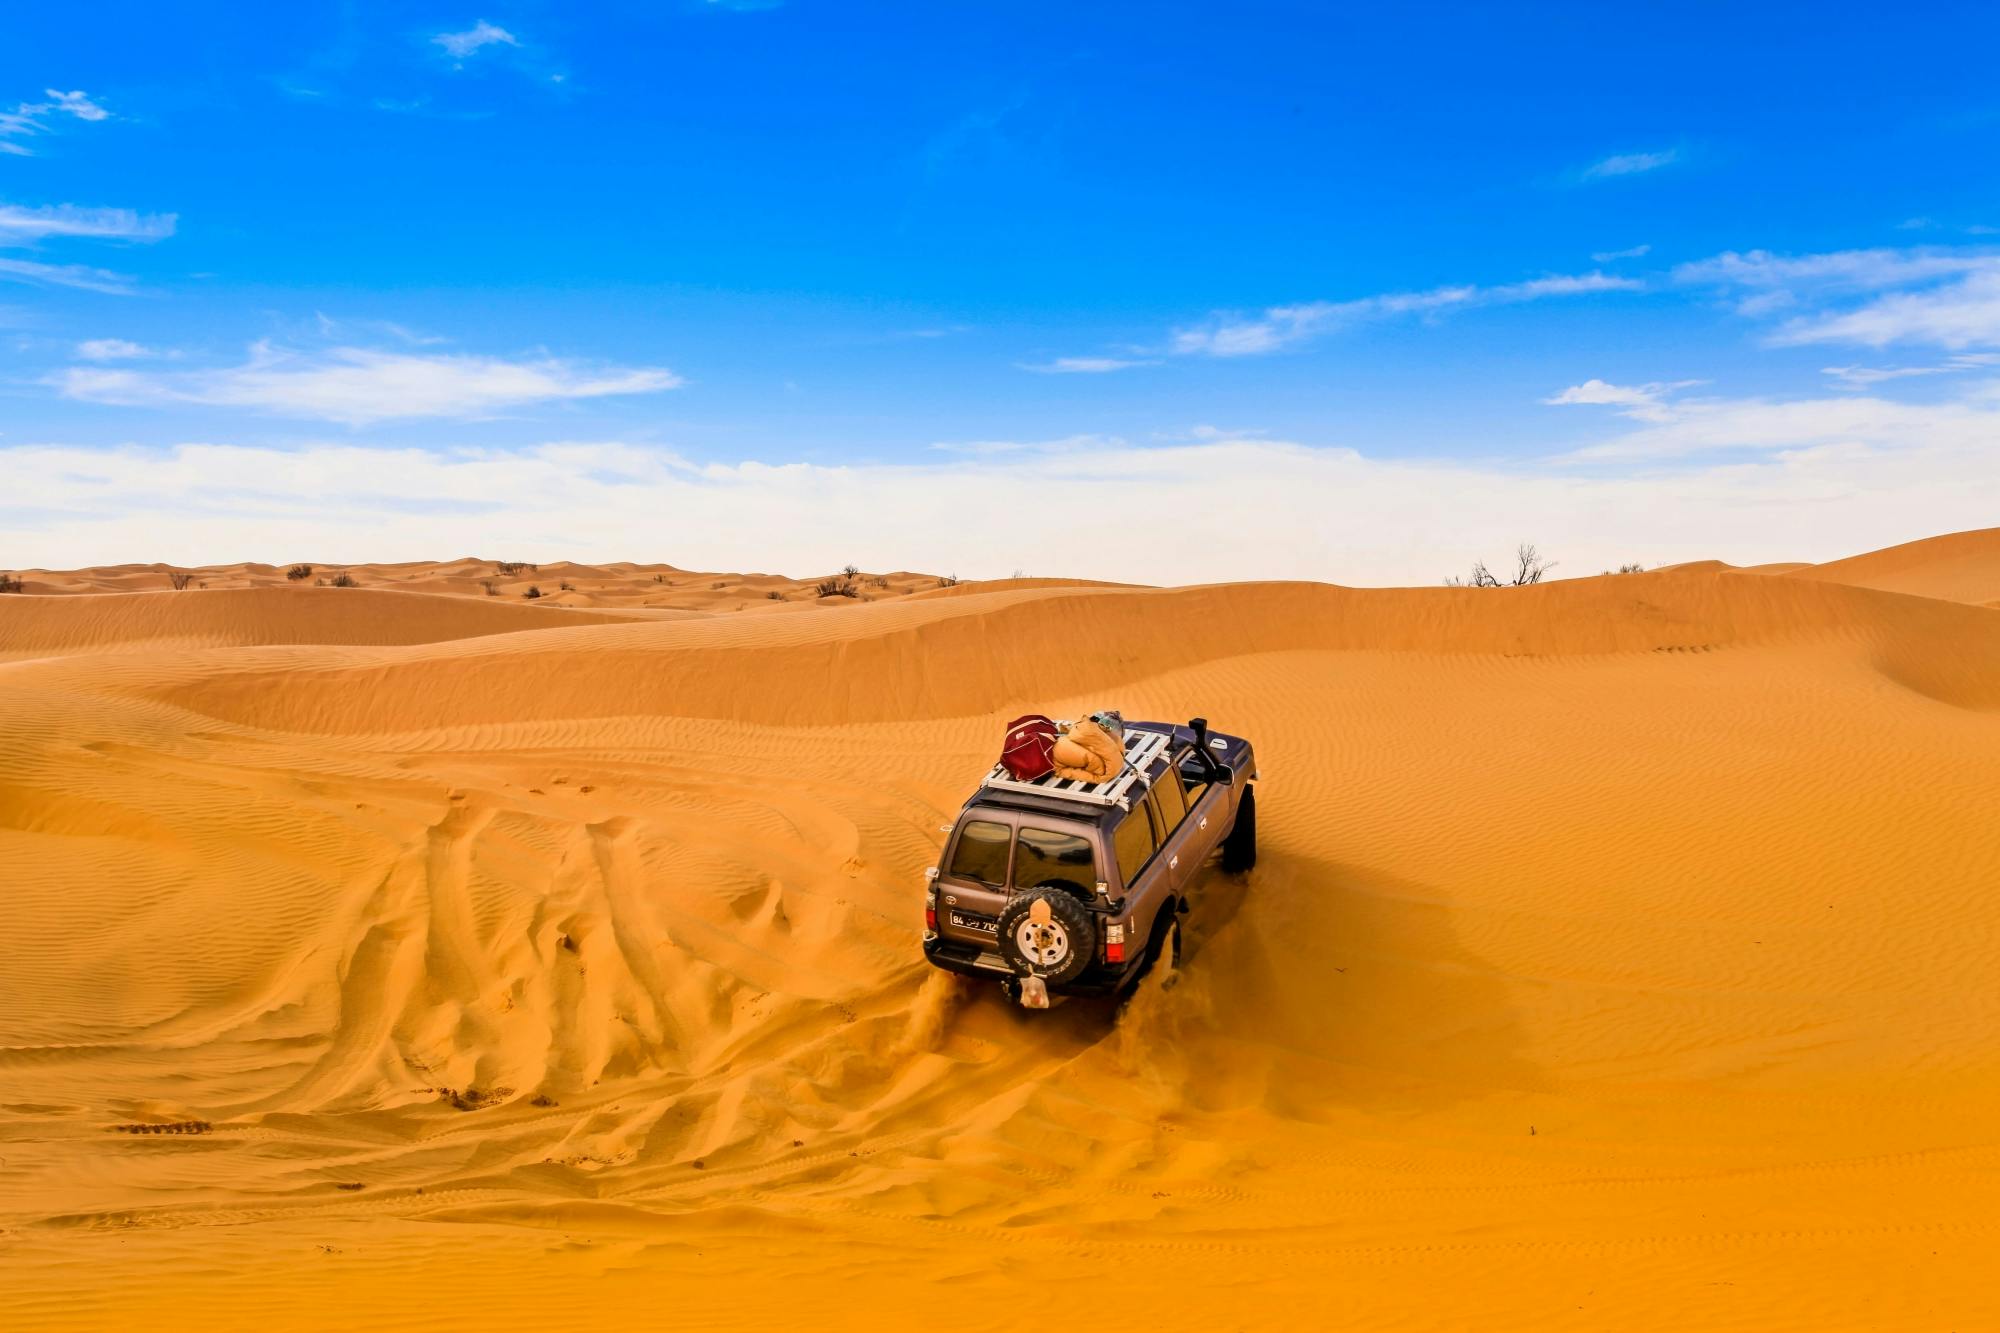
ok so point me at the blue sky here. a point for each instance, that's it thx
(1716, 281)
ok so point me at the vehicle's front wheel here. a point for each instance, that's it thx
(1056, 948)
(1239, 849)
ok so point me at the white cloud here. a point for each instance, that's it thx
(460, 45)
(1810, 481)
(357, 386)
(111, 349)
(1947, 298)
(31, 118)
(19, 225)
(1861, 377)
(1631, 164)
(1641, 402)
(1612, 256)
(1284, 326)
(79, 276)
(1832, 272)
(1962, 314)
(1084, 365)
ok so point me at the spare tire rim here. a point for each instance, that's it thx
(1043, 946)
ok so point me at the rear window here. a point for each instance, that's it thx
(982, 852)
(1055, 858)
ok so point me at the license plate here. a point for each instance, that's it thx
(966, 921)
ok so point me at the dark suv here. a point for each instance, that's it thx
(1065, 887)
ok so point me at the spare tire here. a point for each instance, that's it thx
(1056, 951)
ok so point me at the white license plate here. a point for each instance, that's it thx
(980, 923)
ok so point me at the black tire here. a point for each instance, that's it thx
(1239, 849)
(1164, 944)
(1074, 934)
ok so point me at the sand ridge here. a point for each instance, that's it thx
(1618, 958)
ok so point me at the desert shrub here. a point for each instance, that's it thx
(299, 573)
(179, 580)
(835, 588)
(718, 585)
(879, 581)
(947, 580)
(10, 583)
(850, 570)
(775, 595)
(492, 587)
(532, 592)
(1529, 567)
(345, 580)
(566, 586)
(1628, 569)
(659, 578)
(512, 567)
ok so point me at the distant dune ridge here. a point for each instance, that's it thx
(1620, 955)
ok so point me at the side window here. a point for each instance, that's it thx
(1134, 843)
(982, 852)
(1173, 801)
(1194, 778)
(1061, 858)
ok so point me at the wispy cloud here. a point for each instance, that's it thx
(1084, 365)
(1283, 326)
(1630, 164)
(358, 386)
(1863, 377)
(1946, 298)
(1613, 256)
(462, 45)
(111, 349)
(28, 119)
(1641, 402)
(25, 225)
(78, 276)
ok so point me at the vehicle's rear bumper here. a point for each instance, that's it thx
(971, 961)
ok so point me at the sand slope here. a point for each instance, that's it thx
(1619, 957)
(1959, 567)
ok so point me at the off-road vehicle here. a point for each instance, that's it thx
(1064, 887)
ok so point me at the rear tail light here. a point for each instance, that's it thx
(930, 917)
(1114, 943)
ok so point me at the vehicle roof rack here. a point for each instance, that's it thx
(1141, 749)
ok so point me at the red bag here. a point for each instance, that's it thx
(1031, 741)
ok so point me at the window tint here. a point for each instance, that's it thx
(982, 852)
(1173, 801)
(1061, 857)
(1134, 843)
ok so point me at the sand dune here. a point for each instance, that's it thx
(1960, 567)
(1619, 957)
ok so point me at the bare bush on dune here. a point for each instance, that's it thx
(532, 593)
(345, 580)
(10, 583)
(512, 567)
(299, 573)
(179, 579)
(1529, 567)
(835, 588)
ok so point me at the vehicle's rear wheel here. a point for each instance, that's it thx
(1239, 849)
(1056, 949)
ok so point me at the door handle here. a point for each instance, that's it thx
(1204, 821)
(1174, 863)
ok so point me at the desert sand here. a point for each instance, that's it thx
(407, 955)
